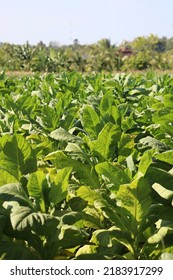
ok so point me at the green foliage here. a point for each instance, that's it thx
(142, 53)
(86, 169)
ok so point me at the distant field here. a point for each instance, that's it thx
(29, 73)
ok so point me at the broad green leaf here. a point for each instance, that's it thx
(131, 167)
(70, 237)
(85, 172)
(17, 251)
(117, 215)
(164, 117)
(160, 211)
(125, 146)
(30, 163)
(122, 237)
(151, 143)
(90, 219)
(123, 108)
(49, 117)
(115, 114)
(157, 106)
(89, 195)
(87, 251)
(160, 176)
(106, 104)
(35, 188)
(102, 238)
(166, 194)
(71, 218)
(166, 127)
(67, 98)
(90, 121)
(26, 104)
(157, 237)
(24, 218)
(59, 185)
(77, 204)
(15, 192)
(166, 256)
(61, 134)
(113, 173)
(108, 238)
(41, 144)
(6, 178)
(144, 163)
(166, 156)
(75, 150)
(168, 100)
(128, 122)
(105, 145)
(11, 158)
(17, 157)
(135, 197)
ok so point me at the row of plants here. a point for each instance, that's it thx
(140, 54)
(86, 166)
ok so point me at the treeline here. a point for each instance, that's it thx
(142, 53)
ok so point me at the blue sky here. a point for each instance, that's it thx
(85, 20)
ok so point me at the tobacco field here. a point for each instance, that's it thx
(86, 166)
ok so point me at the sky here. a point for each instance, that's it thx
(88, 21)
